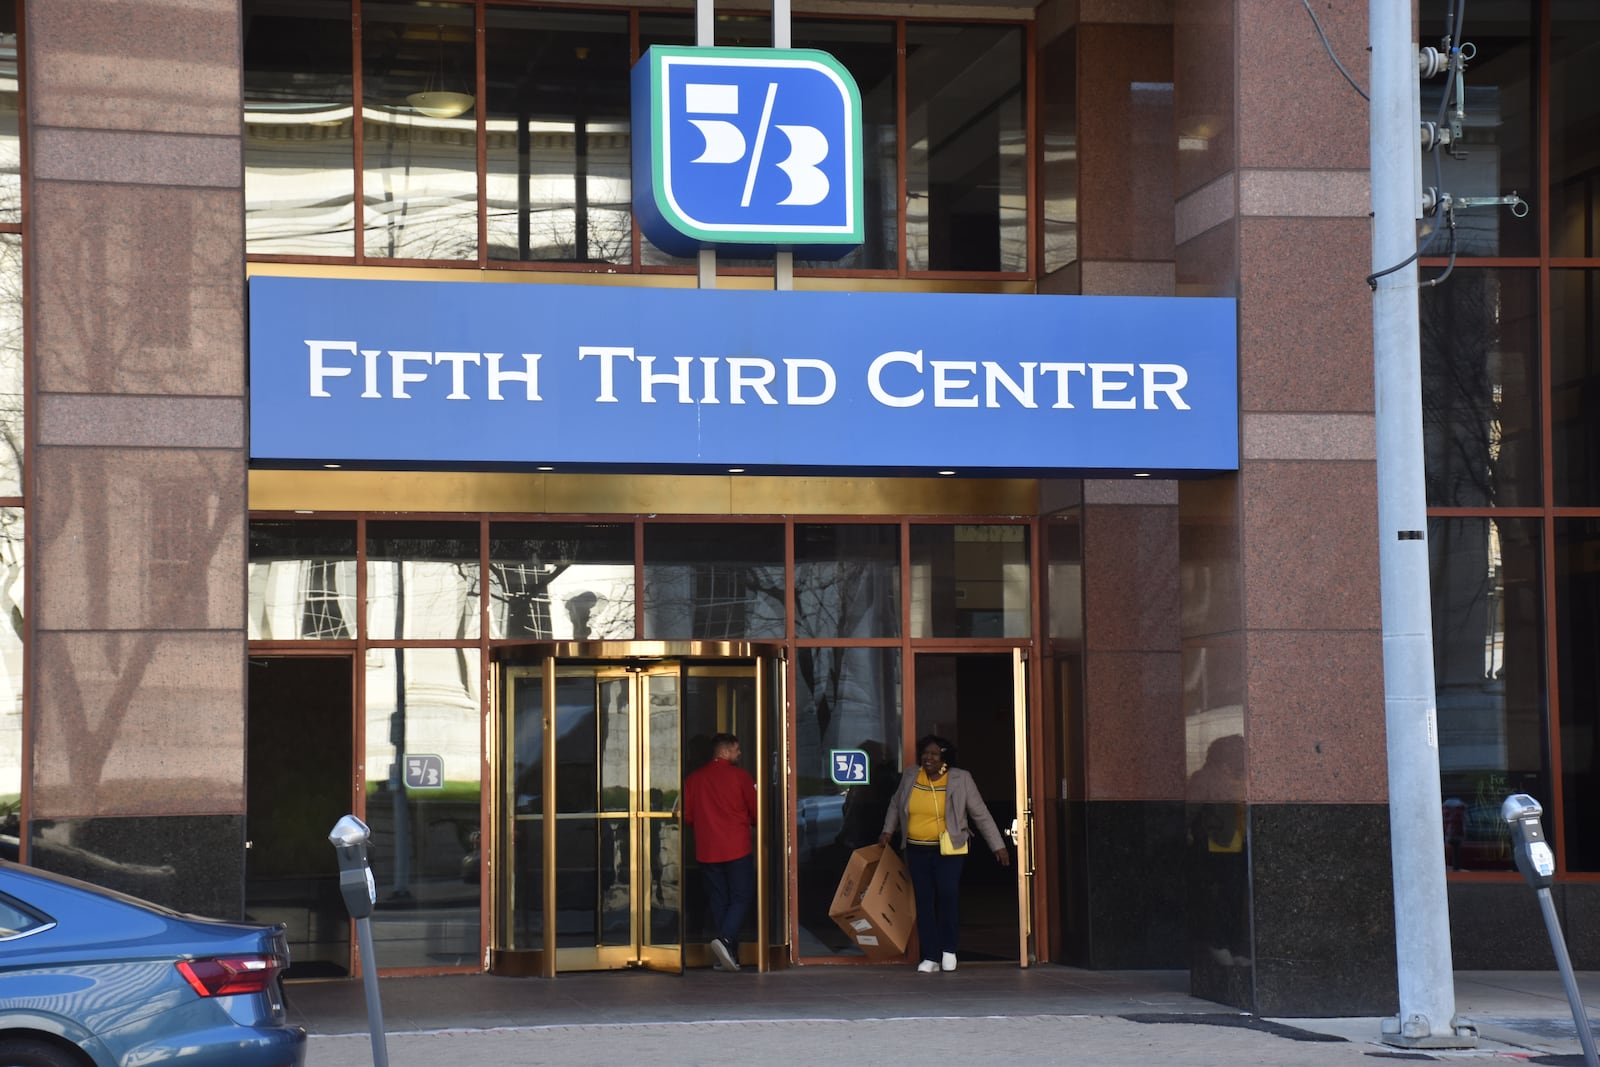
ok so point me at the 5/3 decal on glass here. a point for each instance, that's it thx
(747, 146)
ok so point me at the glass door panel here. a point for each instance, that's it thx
(659, 832)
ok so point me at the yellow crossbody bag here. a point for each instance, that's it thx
(946, 847)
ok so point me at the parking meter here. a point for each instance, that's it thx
(349, 839)
(1538, 866)
(1532, 853)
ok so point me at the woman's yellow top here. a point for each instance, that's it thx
(927, 804)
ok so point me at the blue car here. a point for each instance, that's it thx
(93, 978)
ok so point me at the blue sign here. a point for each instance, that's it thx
(424, 772)
(849, 766)
(402, 374)
(741, 147)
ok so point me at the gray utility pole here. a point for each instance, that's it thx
(1421, 909)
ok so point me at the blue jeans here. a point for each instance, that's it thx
(936, 882)
(730, 887)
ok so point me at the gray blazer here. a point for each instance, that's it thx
(961, 804)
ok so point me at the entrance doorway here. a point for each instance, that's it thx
(299, 760)
(977, 701)
(593, 871)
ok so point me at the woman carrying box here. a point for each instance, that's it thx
(935, 809)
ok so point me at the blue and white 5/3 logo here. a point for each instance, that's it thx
(747, 147)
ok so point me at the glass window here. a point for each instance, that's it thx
(10, 114)
(11, 377)
(1494, 155)
(1577, 636)
(1575, 387)
(422, 580)
(1480, 380)
(556, 137)
(302, 581)
(16, 919)
(1058, 105)
(969, 581)
(844, 698)
(847, 581)
(12, 589)
(1574, 169)
(419, 130)
(966, 148)
(1064, 550)
(299, 128)
(713, 581)
(561, 581)
(423, 761)
(867, 51)
(1488, 654)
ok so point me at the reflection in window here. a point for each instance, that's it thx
(1577, 636)
(1058, 104)
(422, 580)
(1575, 387)
(302, 580)
(557, 136)
(1488, 651)
(419, 134)
(844, 698)
(966, 148)
(561, 581)
(847, 580)
(10, 140)
(969, 581)
(11, 630)
(299, 129)
(713, 581)
(11, 379)
(1480, 377)
(423, 759)
(1574, 170)
(1496, 147)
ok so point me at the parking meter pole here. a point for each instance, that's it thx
(349, 838)
(1537, 864)
(369, 982)
(1580, 1015)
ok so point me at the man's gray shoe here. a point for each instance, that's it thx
(719, 949)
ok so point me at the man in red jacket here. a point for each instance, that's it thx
(719, 802)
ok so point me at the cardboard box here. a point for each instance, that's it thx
(874, 904)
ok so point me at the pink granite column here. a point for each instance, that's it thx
(137, 467)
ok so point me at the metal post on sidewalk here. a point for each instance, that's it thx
(349, 838)
(1538, 866)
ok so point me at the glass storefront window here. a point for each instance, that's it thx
(299, 128)
(1577, 566)
(1574, 171)
(1498, 128)
(970, 581)
(1488, 652)
(561, 581)
(419, 131)
(12, 589)
(867, 51)
(302, 581)
(423, 760)
(1575, 387)
(11, 373)
(422, 580)
(847, 581)
(966, 148)
(1480, 383)
(556, 136)
(1063, 544)
(713, 581)
(1058, 105)
(844, 698)
(10, 115)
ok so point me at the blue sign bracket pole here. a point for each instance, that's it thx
(783, 262)
(705, 36)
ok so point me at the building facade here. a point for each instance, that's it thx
(1167, 683)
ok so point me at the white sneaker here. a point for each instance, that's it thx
(928, 967)
(948, 962)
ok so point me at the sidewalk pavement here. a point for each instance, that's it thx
(981, 1014)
